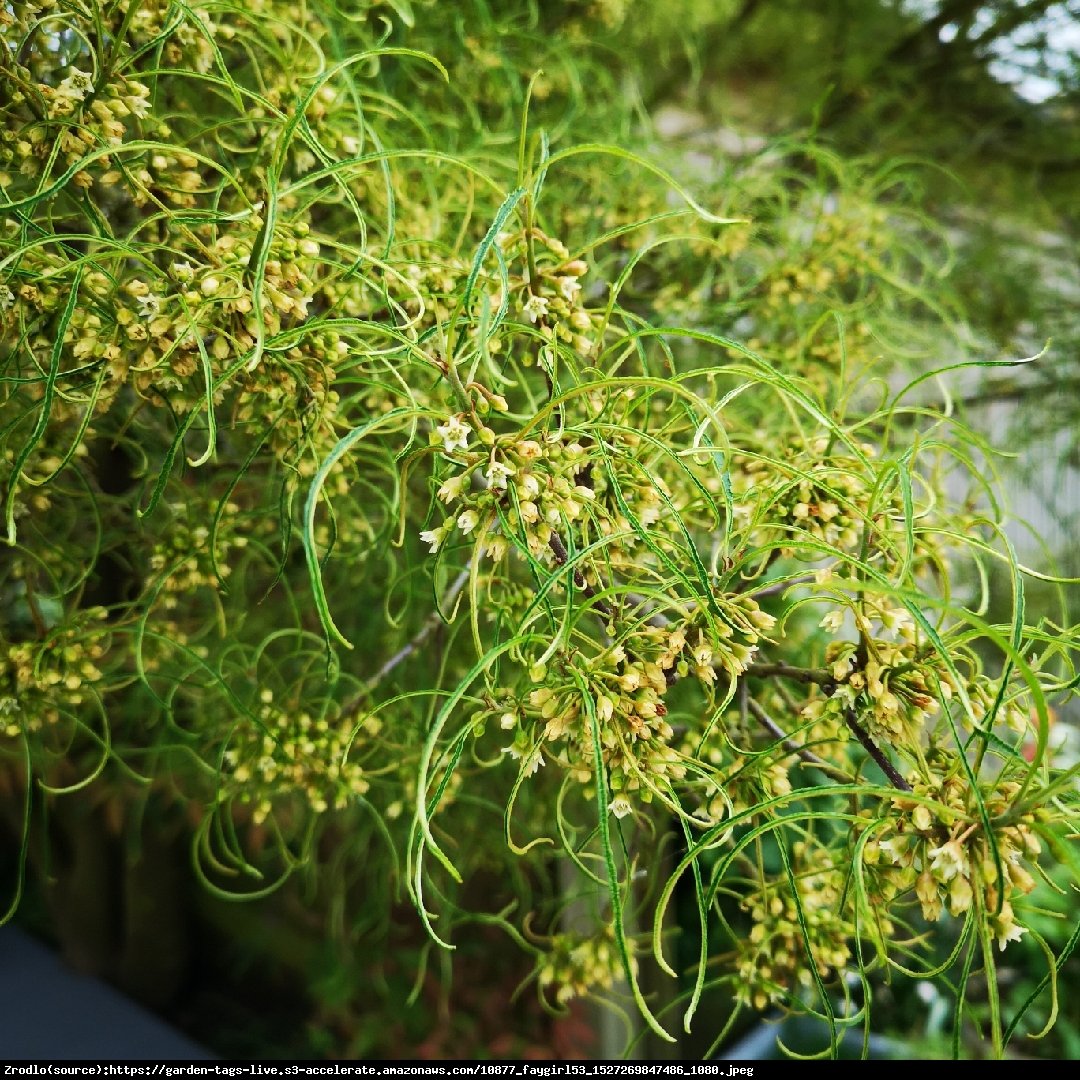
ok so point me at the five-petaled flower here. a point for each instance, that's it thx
(535, 308)
(569, 287)
(531, 760)
(1006, 928)
(149, 305)
(77, 85)
(454, 434)
(497, 474)
(450, 488)
(949, 859)
(434, 538)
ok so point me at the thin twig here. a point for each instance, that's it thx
(558, 549)
(32, 605)
(875, 752)
(808, 756)
(354, 704)
(652, 616)
(779, 586)
(820, 676)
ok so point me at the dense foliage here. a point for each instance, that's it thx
(415, 493)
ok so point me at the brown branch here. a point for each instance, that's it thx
(808, 756)
(772, 588)
(558, 549)
(820, 676)
(32, 604)
(875, 751)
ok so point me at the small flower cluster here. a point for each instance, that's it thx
(626, 683)
(627, 694)
(182, 552)
(552, 299)
(750, 781)
(845, 244)
(65, 102)
(531, 484)
(577, 965)
(158, 335)
(934, 846)
(33, 499)
(723, 635)
(834, 264)
(983, 694)
(889, 686)
(732, 783)
(285, 753)
(211, 306)
(82, 118)
(772, 962)
(44, 681)
(811, 491)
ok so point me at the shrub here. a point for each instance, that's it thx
(394, 475)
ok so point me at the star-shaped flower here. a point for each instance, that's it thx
(497, 474)
(434, 537)
(149, 305)
(454, 434)
(535, 307)
(948, 860)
